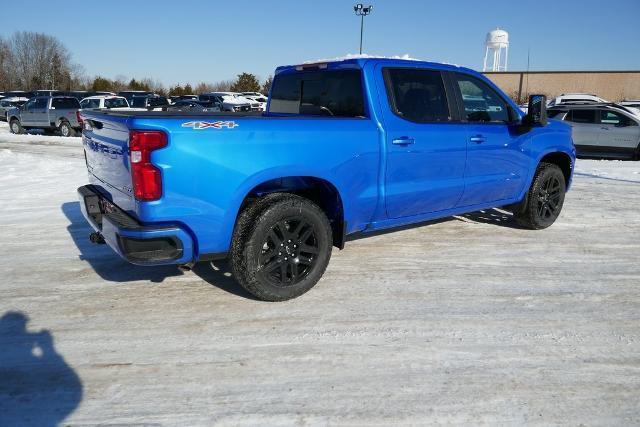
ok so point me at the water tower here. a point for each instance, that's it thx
(496, 51)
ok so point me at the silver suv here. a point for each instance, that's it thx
(601, 129)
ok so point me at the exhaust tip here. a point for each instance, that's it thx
(186, 267)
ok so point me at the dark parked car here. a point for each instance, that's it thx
(129, 94)
(177, 98)
(149, 102)
(194, 106)
(7, 104)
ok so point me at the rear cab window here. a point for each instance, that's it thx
(335, 93)
(417, 95)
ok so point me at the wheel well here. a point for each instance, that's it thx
(321, 192)
(563, 161)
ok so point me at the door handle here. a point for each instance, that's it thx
(478, 139)
(604, 127)
(404, 140)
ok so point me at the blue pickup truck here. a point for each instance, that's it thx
(345, 148)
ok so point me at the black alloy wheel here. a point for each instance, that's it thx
(548, 198)
(289, 252)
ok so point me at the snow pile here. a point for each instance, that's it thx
(363, 56)
(7, 136)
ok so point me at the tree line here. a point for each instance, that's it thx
(32, 61)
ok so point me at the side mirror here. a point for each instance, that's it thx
(537, 111)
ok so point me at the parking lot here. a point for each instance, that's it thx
(467, 320)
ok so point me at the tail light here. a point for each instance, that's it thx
(79, 117)
(145, 176)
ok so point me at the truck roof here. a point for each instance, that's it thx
(351, 61)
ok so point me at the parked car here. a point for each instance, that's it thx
(105, 101)
(574, 98)
(602, 130)
(7, 104)
(149, 102)
(176, 98)
(229, 101)
(253, 94)
(260, 100)
(274, 192)
(129, 94)
(194, 106)
(48, 113)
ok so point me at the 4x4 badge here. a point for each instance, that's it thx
(206, 125)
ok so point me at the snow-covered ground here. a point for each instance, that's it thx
(467, 320)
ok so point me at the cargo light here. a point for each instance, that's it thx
(145, 176)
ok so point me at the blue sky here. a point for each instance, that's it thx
(198, 40)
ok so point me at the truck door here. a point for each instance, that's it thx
(497, 166)
(40, 112)
(585, 128)
(426, 146)
(618, 132)
(26, 112)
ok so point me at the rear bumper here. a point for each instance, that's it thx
(137, 243)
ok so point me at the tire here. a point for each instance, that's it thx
(636, 155)
(16, 127)
(544, 200)
(281, 247)
(66, 130)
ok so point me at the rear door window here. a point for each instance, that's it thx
(582, 116)
(481, 103)
(319, 93)
(614, 118)
(65, 103)
(417, 95)
(115, 103)
(90, 103)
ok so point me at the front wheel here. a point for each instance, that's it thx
(281, 247)
(544, 201)
(16, 127)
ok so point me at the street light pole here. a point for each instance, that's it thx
(362, 11)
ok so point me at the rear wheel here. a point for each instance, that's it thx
(281, 247)
(544, 200)
(15, 126)
(66, 129)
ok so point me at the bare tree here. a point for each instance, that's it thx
(39, 61)
(6, 76)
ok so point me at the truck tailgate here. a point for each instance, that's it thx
(106, 145)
